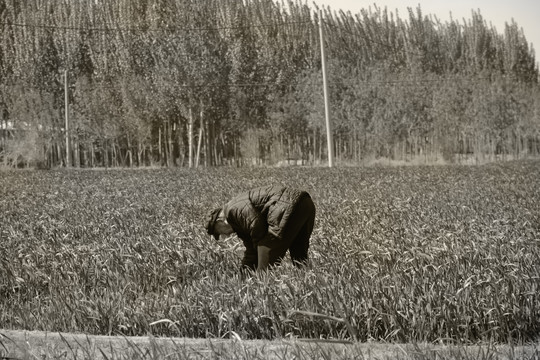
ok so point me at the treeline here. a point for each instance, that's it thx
(190, 82)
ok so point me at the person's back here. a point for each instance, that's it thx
(269, 220)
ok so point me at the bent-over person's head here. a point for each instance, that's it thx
(217, 225)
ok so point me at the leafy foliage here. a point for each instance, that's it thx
(416, 254)
(149, 78)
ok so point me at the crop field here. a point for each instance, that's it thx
(399, 254)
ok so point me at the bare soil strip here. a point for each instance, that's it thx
(15, 344)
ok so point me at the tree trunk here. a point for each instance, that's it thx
(190, 138)
(208, 158)
(215, 145)
(105, 155)
(114, 160)
(159, 147)
(91, 155)
(170, 159)
(181, 147)
(199, 140)
(139, 153)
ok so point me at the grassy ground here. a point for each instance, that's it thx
(402, 255)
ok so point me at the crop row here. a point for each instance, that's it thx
(398, 254)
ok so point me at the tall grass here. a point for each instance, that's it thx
(416, 254)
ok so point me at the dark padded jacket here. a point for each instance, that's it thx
(262, 211)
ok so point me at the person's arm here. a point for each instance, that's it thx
(263, 257)
(249, 261)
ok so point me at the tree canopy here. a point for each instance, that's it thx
(189, 82)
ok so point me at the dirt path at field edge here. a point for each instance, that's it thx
(16, 344)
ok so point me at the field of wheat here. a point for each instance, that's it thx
(403, 254)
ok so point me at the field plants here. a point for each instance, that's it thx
(404, 254)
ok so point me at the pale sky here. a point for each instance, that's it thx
(496, 12)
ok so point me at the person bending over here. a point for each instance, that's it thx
(270, 220)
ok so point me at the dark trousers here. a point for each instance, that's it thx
(295, 238)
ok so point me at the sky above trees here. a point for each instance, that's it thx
(496, 12)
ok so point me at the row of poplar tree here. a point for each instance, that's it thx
(191, 82)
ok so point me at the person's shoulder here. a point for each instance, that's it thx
(269, 189)
(238, 201)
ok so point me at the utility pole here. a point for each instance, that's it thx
(329, 137)
(66, 100)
